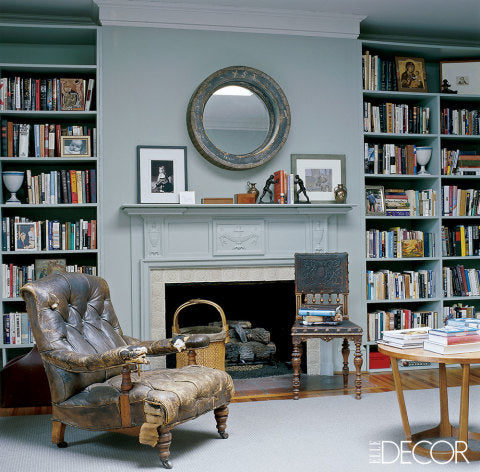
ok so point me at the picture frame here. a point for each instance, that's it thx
(411, 74)
(162, 173)
(320, 173)
(44, 267)
(374, 200)
(463, 76)
(75, 146)
(25, 237)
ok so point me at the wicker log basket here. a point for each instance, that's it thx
(212, 356)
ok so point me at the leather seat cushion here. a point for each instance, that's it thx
(162, 397)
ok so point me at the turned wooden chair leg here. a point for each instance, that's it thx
(58, 432)
(345, 354)
(164, 441)
(358, 361)
(296, 360)
(221, 415)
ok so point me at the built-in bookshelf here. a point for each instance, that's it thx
(419, 265)
(50, 125)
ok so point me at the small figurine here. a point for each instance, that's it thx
(340, 193)
(445, 87)
(266, 190)
(298, 181)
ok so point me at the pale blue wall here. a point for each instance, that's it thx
(148, 77)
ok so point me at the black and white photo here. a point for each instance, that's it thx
(75, 146)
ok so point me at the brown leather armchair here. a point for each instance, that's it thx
(90, 367)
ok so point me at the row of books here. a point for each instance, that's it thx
(459, 281)
(378, 73)
(283, 188)
(457, 162)
(408, 284)
(45, 94)
(398, 243)
(22, 234)
(41, 139)
(390, 159)
(380, 321)
(401, 202)
(458, 310)
(460, 202)
(16, 329)
(15, 277)
(396, 118)
(461, 122)
(62, 186)
(460, 240)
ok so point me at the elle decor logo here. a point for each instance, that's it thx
(389, 452)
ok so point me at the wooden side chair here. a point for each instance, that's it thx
(323, 279)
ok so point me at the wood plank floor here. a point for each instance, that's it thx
(280, 387)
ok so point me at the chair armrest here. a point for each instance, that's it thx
(74, 362)
(167, 346)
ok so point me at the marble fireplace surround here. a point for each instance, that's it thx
(222, 243)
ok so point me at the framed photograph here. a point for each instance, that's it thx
(44, 267)
(320, 173)
(374, 200)
(25, 237)
(75, 146)
(162, 173)
(411, 74)
(463, 77)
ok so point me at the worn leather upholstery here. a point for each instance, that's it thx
(83, 348)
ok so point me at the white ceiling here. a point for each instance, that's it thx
(446, 19)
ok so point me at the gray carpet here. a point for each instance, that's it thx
(309, 435)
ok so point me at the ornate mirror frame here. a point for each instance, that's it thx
(267, 90)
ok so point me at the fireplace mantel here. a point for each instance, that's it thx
(184, 240)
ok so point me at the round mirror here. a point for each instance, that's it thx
(240, 132)
(238, 118)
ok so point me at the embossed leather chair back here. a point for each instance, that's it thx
(323, 274)
(73, 312)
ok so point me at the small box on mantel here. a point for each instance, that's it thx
(244, 198)
(217, 201)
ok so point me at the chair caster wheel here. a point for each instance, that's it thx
(223, 434)
(166, 463)
(62, 444)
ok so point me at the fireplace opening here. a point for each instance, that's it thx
(267, 305)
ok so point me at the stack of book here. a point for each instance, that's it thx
(453, 340)
(320, 314)
(464, 322)
(405, 338)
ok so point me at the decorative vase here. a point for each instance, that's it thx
(13, 181)
(253, 190)
(423, 157)
(340, 193)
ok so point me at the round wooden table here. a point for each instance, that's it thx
(444, 429)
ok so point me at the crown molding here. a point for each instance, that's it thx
(160, 14)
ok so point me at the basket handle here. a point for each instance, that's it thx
(197, 301)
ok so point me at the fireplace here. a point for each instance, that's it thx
(235, 244)
(265, 304)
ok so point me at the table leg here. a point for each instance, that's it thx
(401, 401)
(345, 354)
(445, 426)
(296, 359)
(358, 369)
(464, 398)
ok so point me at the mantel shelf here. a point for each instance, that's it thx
(237, 210)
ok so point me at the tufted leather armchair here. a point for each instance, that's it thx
(90, 367)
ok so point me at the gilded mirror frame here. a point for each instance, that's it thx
(267, 90)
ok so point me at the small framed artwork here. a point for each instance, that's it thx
(374, 200)
(320, 173)
(72, 94)
(162, 173)
(411, 74)
(462, 77)
(25, 237)
(75, 146)
(44, 267)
